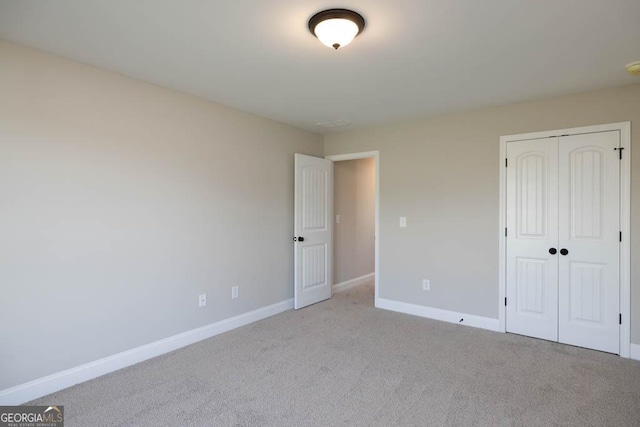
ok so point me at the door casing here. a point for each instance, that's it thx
(625, 220)
(376, 156)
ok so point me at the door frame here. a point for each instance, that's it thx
(376, 156)
(625, 221)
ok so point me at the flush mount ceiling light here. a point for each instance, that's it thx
(634, 68)
(336, 28)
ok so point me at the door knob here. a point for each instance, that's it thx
(298, 239)
(564, 252)
(553, 251)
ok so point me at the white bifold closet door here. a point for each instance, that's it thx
(532, 229)
(563, 224)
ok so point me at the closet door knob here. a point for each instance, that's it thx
(553, 251)
(564, 252)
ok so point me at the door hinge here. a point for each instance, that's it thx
(506, 232)
(619, 150)
(505, 301)
(506, 163)
(621, 236)
(621, 318)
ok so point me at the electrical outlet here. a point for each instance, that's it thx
(403, 221)
(337, 219)
(202, 300)
(426, 285)
(234, 292)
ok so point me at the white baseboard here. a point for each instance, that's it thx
(438, 314)
(41, 387)
(635, 351)
(339, 287)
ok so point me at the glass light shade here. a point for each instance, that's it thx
(634, 68)
(336, 32)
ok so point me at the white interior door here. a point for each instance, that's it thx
(313, 230)
(532, 236)
(589, 298)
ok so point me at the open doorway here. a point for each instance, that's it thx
(355, 228)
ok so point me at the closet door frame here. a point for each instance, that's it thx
(625, 220)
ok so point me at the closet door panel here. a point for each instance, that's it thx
(589, 226)
(532, 224)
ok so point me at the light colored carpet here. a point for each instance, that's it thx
(343, 362)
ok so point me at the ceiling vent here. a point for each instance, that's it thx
(334, 124)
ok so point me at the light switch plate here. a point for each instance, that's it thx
(403, 221)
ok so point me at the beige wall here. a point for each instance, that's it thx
(354, 200)
(442, 173)
(120, 203)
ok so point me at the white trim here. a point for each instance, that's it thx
(625, 246)
(635, 352)
(625, 220)
(42, 386)
(568, 131)
(502, 244)
(350, 284)
(367, 155)
(438, 314)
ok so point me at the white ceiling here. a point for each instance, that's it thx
(416, 58)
